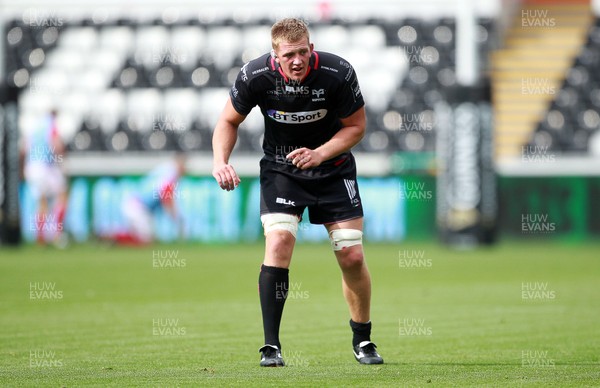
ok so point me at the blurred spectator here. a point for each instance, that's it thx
(43, 153)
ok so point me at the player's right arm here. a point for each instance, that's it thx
(223, 141)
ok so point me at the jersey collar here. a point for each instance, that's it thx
(313, 64)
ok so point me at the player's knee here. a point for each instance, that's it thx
(347, 243)
(351, 258)
(279, 248)
(280, 222)
(280, 240)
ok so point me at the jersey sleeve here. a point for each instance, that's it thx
(242, 98)
(350, 98)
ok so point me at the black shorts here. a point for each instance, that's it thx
(329, 191)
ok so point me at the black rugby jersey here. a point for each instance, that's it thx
(298, 113)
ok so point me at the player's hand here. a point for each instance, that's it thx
(226, 176)
(305, 158)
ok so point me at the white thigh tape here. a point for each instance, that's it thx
(343, 238)
(279, 221)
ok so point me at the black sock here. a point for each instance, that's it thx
(360, 332)
(272, 289)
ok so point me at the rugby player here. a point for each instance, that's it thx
(314, 114)
(43, 152)
(156, 190)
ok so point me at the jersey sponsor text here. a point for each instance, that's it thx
(296, 117)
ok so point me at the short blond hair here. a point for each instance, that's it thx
(288, 30)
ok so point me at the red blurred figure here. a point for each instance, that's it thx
(43, 152)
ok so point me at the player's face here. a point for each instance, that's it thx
(293, 58)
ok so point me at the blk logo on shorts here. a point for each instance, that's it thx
(351, 189)
(284, 201)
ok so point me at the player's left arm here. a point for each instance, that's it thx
(56, 142)
(351, 133)
(167, 200)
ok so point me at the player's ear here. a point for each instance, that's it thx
(312, 48)
(274, 55)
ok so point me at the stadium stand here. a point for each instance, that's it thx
(157, 85)
(547, 82)
(573, 119)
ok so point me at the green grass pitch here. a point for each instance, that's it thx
(518, 314)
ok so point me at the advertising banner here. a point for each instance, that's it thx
(466, 181)
(211, 214)
(550, 207)
(9, 167)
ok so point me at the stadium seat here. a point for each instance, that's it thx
(79, 39)
(223, 44)
(407, 35)
(330, 38)
(544, 139)
(85, 140)
(594, 97)
(443, 35)
(130, 77)
(589, 120)
(411, 141)
(152, 46)
(166, 76)
(368, 37)
(594, 144)
(200, 76)
(121, 141)
(190, 140)
(119, 39)
(255, 41)
(106, 62)
(376, 141)
(108, 110)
